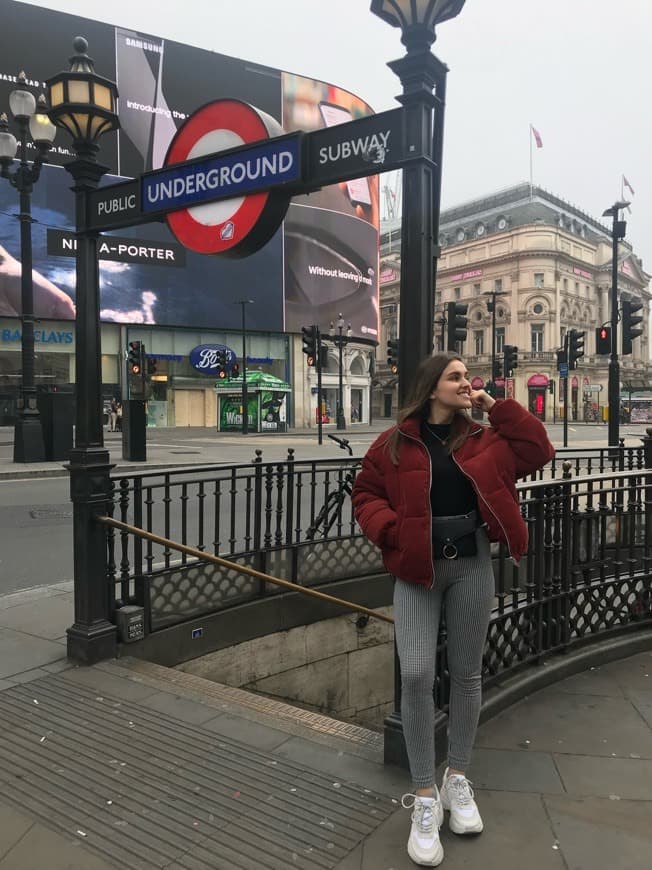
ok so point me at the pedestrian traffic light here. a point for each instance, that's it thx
(309, 339)
(392, 355)
(456, 320)
(152, 366)
(510, 359)
(497, 370)
(575, 347)
(631, 323)
(135, 354)
(603, 340)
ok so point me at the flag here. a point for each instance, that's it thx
(537, 136)
(628, 186)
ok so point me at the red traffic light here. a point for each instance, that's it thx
(221, 374)
(135, 369)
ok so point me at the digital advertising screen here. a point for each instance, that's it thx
(322, 262)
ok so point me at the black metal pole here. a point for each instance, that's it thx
(320, 422)
(245, 397)
(566, 345)
(28, 432)
(341, 420)
(614, 366)
(92, 637)
(493, 339)
(419, 71)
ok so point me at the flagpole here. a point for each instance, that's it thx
(530, 162)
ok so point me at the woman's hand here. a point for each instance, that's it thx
(482, 400)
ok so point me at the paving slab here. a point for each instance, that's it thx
(626, 778)
(646, 712)
(20, 652)
(505, 770)
(102, 683)
(46, 618)
(247, 731)
(597, 833)
(595, 681)
(43, 848)
(554, 721)
(517, 834)
(13, 827)
(345, 767)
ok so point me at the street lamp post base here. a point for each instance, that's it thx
(88, 645)
(28, 440)
(340, 421)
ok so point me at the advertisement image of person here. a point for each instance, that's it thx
(432, 493)
(49, 301)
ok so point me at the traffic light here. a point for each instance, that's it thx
(510, 359)
(220, 362)
(235, 370)
(631, 324)
(497, 370)
(392, 355)
(152, 366)
(575, 347)
(135, 355)
(603, 340)
(456, 323)
(309, 339)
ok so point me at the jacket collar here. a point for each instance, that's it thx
(412, 426)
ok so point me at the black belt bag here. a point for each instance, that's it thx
(453, 537)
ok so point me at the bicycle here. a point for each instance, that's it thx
(335, 499)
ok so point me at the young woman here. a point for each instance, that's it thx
(432, 493)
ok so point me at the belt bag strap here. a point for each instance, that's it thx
(453, 528)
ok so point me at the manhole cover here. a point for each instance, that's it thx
(50, 514)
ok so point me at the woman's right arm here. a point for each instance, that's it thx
(371, 507)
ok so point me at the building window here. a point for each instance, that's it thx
(562, 336)
(538, 279)
(500, 339)
(476, 288)
(439, 343)
(437, 297)
(537, 338)
(537, 308)
(577, 288)
(498, 285)
(478, 341)
(457, 292)
(565, 283)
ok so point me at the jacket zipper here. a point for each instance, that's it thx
(490, 509)
(421, 444)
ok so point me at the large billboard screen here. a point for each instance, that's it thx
(321, 263)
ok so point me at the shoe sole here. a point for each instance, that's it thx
(435, 862)
(460, 831)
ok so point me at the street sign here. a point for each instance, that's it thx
(218, 172)
(115, 206)
(376, 143)
(222, 176)
(563, 370)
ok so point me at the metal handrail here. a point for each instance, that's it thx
(244, 569)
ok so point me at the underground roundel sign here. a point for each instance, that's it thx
(240, 225)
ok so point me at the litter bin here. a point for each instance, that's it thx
(134, 424)
(57, 411)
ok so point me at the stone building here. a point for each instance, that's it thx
(549, 264)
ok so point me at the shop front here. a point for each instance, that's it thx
(537, 387)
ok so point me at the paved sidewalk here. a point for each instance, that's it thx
(132, 766)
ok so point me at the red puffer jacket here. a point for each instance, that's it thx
(392, 502)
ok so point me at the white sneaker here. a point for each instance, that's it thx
(457, 796)
(427, 816)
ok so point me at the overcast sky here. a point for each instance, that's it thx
(578, 70)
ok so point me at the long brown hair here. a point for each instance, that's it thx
(426, 379)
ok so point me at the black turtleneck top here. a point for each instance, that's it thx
(451, 491)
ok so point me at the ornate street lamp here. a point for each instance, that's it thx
(31, 119)
(84, 104)
(340, 340)
(423, 77)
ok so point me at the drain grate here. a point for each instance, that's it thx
(185, 451)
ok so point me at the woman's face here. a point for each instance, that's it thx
(453, 390)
